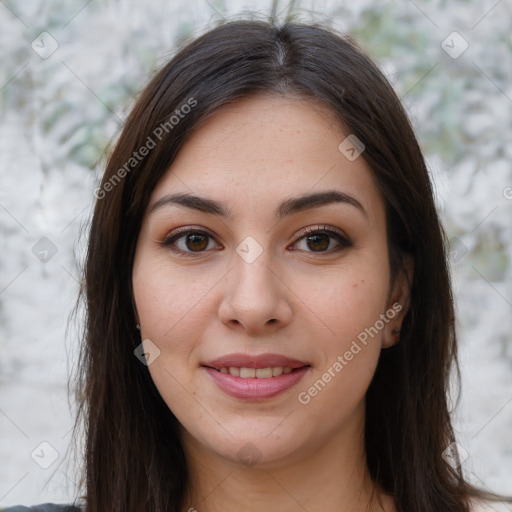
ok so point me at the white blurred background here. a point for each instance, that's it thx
(69, 72)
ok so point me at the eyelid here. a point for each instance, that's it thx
(187, 229)
(322, 228)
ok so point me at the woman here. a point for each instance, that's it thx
(270, 321)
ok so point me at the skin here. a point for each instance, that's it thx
(251, 156)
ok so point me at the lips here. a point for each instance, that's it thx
(256, 361)
(255, 377)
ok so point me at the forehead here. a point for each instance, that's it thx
(261, 149)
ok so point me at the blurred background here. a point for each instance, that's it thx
(69, 73)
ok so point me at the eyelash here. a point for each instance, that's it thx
(343, 240)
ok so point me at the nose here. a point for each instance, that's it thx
(255, 298)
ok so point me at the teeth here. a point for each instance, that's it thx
(276, 371)
(247, 373)
(263, 373)
(259, 373)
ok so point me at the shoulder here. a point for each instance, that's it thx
(491, 506)
(45, 507)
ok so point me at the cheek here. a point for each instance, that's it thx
(168, 300)
(349, 358)
(352, 309)
(348, 301)
(168, 305)
(174, 307)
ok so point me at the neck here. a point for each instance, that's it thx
(333, 476)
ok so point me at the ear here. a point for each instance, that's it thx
(398, 302)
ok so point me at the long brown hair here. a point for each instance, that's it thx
(134, 460)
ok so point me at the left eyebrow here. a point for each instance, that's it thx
(286, 208)
(309, 201)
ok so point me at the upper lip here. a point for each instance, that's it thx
(255, 361)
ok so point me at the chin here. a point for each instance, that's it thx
(262, 450)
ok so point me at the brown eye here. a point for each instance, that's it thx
(196, 241)
(319, 240)
(188, 242)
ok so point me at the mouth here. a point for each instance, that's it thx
(255, 377)
(255, 373)
(260, 366)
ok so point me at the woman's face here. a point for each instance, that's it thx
(262, 283)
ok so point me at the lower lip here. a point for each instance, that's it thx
(253, 388)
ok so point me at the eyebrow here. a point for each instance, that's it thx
(286, 208)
